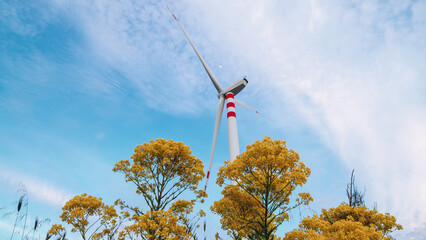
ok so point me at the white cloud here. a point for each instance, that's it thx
(354, 71)
(6, 226)
(351, 71)
(15, 16)
(36, 188)
(139, 40)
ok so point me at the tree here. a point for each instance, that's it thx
(171, 224)
(57, 230)
(238, 211)
(80, 209)
(355, 197)
(182, 209)
(266, 176)
(162, 170)
(155, 225)
(346, 222)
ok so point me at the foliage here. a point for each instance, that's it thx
(238, 212)
(57, 230)
(155, 225)
(264, 180)
(182, 209)
(346, 223)
(161, 171)
(80, 208)
(171, 224)
(265, 176)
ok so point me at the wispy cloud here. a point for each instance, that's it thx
(42, 191)
(353, 72)
(138, 39)
(6, 226)
(17, 17)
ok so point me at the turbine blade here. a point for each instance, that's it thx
(206, 67)
(216, 130)
(245, 106)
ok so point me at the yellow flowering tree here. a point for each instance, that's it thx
(346, 223)
(162, 170)
(90, 217)
(174, 223)
(265, 176)
(156, 225)
(238, 212)
(183, 209)
(58, 231)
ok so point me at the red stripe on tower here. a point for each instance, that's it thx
(230, 104)
(229, 95)
(208, 174)
(231, 114)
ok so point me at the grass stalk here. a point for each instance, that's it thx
(21, 199)
(25, 221)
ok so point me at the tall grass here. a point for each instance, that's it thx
(20, 211)
(19, 207)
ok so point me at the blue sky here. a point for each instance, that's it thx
(83, 82)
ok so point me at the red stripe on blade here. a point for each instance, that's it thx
(230, 104)
(231, 114)
(208, 174)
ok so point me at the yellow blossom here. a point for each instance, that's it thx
(266, 176)
(346, 223)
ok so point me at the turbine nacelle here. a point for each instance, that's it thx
(234, 88)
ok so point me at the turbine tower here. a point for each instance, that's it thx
(227, 94)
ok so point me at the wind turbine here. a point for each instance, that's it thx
(228, 94)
